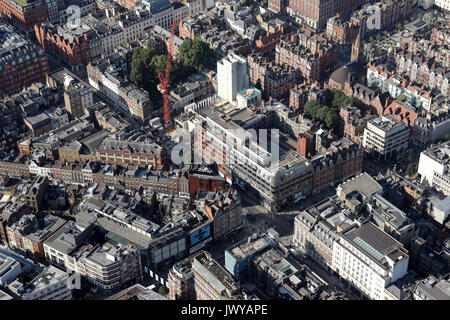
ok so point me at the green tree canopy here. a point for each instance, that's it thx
(195, 54)
(411, 170)
(163, 291)
(143, 73)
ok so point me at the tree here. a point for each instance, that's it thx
(411, 170)
(195, 54)
(163, 291)
(399, 160)
(258, 85)
(447, 137)
(142, 72)
(331, 119)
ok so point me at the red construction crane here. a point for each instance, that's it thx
(163, 85)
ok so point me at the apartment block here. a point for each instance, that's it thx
(374, 17)
(181, 281)
(25, 14)
(22, 63)
(315, 13)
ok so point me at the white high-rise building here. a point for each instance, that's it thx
(232, 76)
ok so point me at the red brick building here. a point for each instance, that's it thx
(268, 42)
(341, 161)
(315, 13)
(204, 182)
(275, 80)
(193, 26)
(22, 63)
(340, 31)
(24, 14)
(389, 12)
(440, 36)
(276, 5)
(75, 52)
(306, 144)
(297, 98)
(352, 123)
(402, 112)
(307, 52)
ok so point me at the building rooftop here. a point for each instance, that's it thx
(375, 243)
(387, 123)
(439, 152)
(215, 274)
(137, 292)
(4, 296)
(135, 141)
(276, 265)
(249, 246)
(67, 238)
(48, 277)
(363, 183)
(14, 47)
(434, 289)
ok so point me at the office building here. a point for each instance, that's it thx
(239, 257)
(385, 136)
(369, 259)
(181, 281)
(434, 166)
(51, 284)
(211, 280)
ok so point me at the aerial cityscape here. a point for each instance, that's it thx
(238, 150)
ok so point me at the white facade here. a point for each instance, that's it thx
(442, 210)
(443, 4)
(179, 13)
(434, 167)
(232, 76)
(194, 6)
(384, 82)
(51, 284)
(385, 135)
(370, 275)
(425, 4)
(87, 7)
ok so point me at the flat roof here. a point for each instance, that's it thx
(375, 242)
(362, 183)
